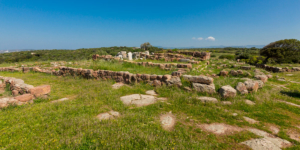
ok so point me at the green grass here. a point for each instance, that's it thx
(73, 125)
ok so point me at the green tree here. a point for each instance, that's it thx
(146, 46)
(282, 51)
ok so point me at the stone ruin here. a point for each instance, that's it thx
(23, 93)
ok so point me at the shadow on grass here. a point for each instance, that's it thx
(294, 93)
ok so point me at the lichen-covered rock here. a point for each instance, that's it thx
(227, 91)
(205, 99)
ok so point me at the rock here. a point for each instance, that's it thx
(234, 73)
(207, 99)
(226, 103)
(174, 81)
(249, 102)
(187, 88)
(241, 87)
(151, 92)
(24, 97)
(224, 73)
(234, 114)
(227, 91)
(167, 121)
(104, 116)
(250, 120)
(60, 100)
(138, 100)
(260, 83)
(251, 85)
(263, 78)
(156, 83)
(240, 72)
(204, 88)
(274, 129)
(261, 144)
(40, 90)
(117, 85)
(15, 92)
(269, 76)
(198, 79)
(108, 115)
(220, 128)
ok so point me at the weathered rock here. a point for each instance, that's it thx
(15, 92)
(174, 81)
(250, 120)
(117, 85)
(151, 92)
(138, 100)
(204, 88)
(40, 90)
(205, 99)
(226, 103)
(251, 85)
(227, 91)
(249, 102)
(60, 100)
(24, 97)
(261, 144)
(156, 83)
(168, 121)
(198, 79)
(260, 83)
(263, 78)
(220, 128)
(224, 73)
(241, 87)
(234, 73)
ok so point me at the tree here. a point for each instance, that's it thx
(146, 46)
(282, 51)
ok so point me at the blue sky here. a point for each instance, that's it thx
(72, 24)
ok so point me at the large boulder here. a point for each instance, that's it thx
(204, 88)
(40, 90)
(227, 91)
(241, 87)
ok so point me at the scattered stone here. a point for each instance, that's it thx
(204, 88)
(220, 128)
(241, 87)
(289, 74)
(226, 103)
(117, 85)
(60, 100)
(261, 144)
(224, 73)
(24, 97)
(249, 102)
(269, 76)
(289, 103)
(40, 90)
(274, 129)
(227, 91)
(168, 121)
(15, 92)
(263, 78)
(162, 99)
(281, 143)
(260, 83)
(294, 135)
(234, 114)
(108, 115)
(138, 100)
(250, 120)
(207, 99)
(151, 92)
(251, 85)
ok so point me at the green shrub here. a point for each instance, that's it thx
(230, 57)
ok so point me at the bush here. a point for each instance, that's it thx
(229, 57)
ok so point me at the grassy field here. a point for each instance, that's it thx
(73, 124)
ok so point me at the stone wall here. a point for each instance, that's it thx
(277, 69)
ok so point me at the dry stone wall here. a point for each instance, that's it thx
(277, 69)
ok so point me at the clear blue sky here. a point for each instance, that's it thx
(71, 24)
